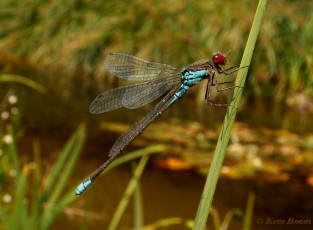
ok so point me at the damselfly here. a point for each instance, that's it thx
(153, 80)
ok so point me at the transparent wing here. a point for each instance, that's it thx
(129, 67)
(135, 95)
(145, 94)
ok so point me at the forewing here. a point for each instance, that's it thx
(135, 95)
(129, 67)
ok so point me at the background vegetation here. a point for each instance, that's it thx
(70, 38)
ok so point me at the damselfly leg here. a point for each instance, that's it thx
(213, 81)
(227, 71)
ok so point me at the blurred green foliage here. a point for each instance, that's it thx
(70, 38)
(36, 202)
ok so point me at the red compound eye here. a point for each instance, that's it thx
(219, 59)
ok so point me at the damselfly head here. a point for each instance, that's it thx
(219, 59)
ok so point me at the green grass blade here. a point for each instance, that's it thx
(226, 221)
(70, 163)
(215, 219)
(12, 145)
(13, 155)
(23, 80)
(220, 151)
(3, 217)
(128, 192)
(77, 137)
(164, 223)
(36, 205)
(73, 149)
(248, 212)
(138, 212)
(18, 218)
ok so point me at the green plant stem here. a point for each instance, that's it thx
(128, 192)
(138, 212)
(220, 151)
(23, 80)
(249, 212)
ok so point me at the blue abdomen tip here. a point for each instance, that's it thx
(82, 187)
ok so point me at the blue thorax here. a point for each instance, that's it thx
(189, 78)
